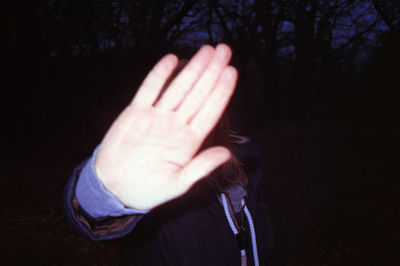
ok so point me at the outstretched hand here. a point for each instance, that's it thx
(149, 155)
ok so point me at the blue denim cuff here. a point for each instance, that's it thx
(95, 199)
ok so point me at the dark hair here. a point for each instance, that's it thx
(232, 171)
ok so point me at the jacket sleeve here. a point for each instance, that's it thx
(95, 228)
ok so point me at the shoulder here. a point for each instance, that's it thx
(250, 155)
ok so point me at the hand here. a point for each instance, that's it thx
(149, 155)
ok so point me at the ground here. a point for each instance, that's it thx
(331, 188)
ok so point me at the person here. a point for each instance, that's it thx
(170, 180)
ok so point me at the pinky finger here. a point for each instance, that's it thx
(155, 80)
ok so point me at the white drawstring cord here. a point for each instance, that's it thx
(253, 234)
(235, 230)
(230, 221)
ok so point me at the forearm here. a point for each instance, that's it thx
(95, 199)
(97, 228)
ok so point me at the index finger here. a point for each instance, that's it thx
(211, 111)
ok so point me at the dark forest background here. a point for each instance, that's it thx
(318, 88)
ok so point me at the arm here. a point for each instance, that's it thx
(95, 199)
(150, 155)
(85, 220)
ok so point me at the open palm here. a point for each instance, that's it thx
(150, 154)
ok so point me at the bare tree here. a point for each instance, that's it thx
(288, 52)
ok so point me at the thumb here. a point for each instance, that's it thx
(202, 165)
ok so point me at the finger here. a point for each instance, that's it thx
(214, 106)
(184, 82)
(206, 83)
(202, 165)
(155, 80)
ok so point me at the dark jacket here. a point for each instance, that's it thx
(190, 230)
